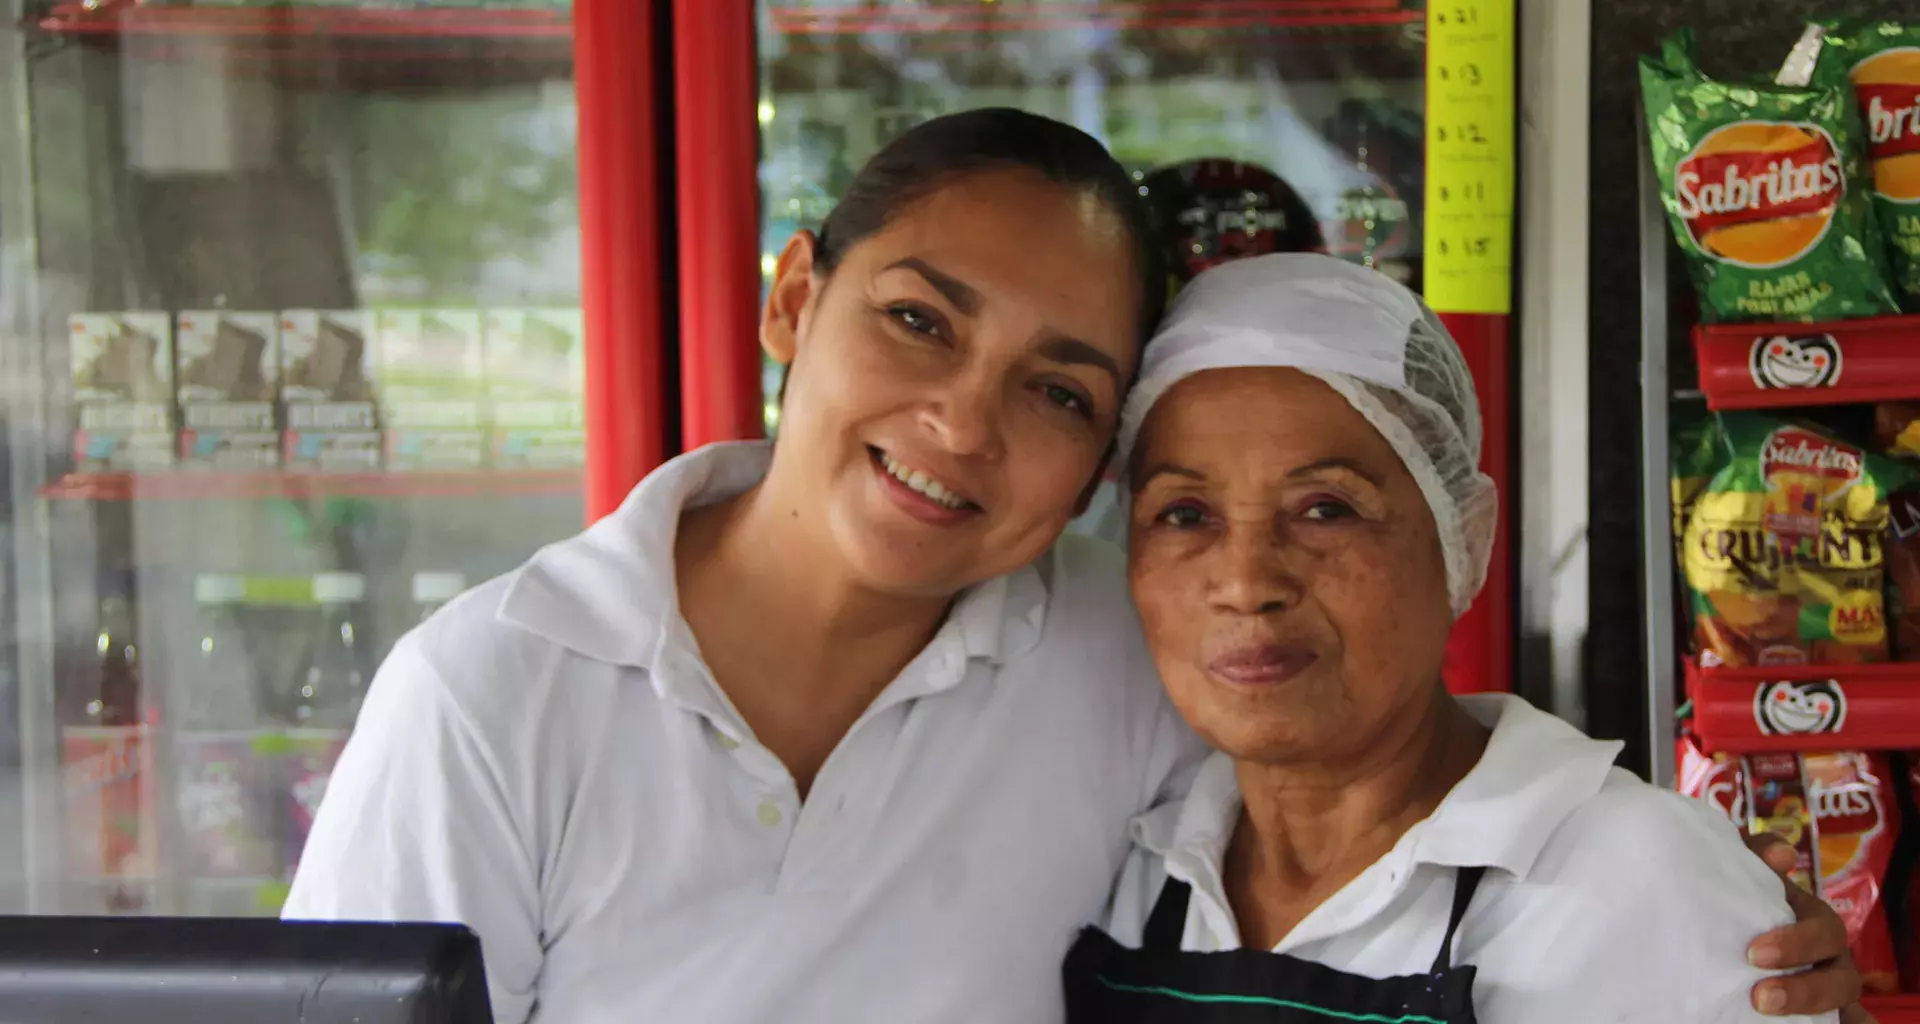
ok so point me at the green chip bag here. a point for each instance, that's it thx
(1881, 63)
(1765, 188)
(1783, 552)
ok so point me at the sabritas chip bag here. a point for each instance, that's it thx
(1882, 62)
(1783, 551)
(1766, 191)
(1838, 813)
(1855, 822)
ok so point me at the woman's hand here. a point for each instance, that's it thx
(1816, 941)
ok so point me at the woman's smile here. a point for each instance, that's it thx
(920, 494)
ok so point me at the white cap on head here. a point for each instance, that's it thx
(1372, 341)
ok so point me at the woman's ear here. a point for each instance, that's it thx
(793, 286)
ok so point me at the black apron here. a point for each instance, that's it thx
(1107, 983)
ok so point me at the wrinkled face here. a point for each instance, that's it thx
(956, 381)
(1286, 567)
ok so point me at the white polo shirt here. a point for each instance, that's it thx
(1607, 899)
(548, 761)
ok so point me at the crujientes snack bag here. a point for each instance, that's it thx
(1766, 190)
(1783, 551)
(1881, 60)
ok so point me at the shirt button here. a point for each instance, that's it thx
(769, 813)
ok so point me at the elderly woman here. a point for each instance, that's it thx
(1307, 520)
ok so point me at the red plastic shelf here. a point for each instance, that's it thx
(971, 16)
(1765, 366)
(1812, 707)
(131, 17)
(189, 485)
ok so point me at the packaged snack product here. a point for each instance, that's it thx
(326, 384)
(1698, 452)
(1882, 62)
(1766, 190)
(535, 376)
(432, 391)
(1837, 810)
(1783, 550)
(122, 365)
(1855, 822)
(229, 377)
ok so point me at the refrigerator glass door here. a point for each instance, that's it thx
(1255, 125)
(292, 356)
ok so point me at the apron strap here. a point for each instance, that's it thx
(1465, 881)
(1168, 922)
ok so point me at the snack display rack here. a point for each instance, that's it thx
(1759, 366)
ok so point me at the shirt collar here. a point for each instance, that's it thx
(1536, 771)
(609, 593)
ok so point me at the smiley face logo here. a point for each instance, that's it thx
(1784, 361)
(1793, 709)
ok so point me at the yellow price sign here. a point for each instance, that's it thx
(1468, 248)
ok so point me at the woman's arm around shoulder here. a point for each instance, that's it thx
(1638, 909)
(416, 825)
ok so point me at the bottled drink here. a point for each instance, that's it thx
(106, 759)
(219, 691)
(225, 795)
(432, 590)
(334, 682)
(324, 705)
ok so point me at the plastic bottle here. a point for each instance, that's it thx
(106, 758)
(224, 756)
(432, 590)
(335, 680)
(220, 691)
(324, 705)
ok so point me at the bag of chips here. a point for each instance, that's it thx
(1697, 453)
(1766, 190)
(1783, 549)
(1855, 821)
(1837, 811)
(1881, 61)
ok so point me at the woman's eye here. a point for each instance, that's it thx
(1182, 516)
(1070, 400)
(915, 319)
(1327, 509)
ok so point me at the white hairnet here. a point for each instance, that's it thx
(1372, 341)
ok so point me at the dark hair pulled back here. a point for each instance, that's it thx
(918, 161)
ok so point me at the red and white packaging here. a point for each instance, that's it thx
(1854, 818)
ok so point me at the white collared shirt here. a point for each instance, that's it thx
(1606, 899)
(549, 761)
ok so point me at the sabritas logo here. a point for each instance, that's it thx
(1888, 86)
(1792, 450)
(1760, 193)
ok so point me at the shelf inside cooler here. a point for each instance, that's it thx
(1805, 707)
(132, 17)
(971, 16)
(188, 485)
(1762, 366)
(334, 46)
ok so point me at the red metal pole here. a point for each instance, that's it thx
(718, 167)
(1480, 652)
(620, 246)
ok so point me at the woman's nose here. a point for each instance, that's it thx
(1250, 574)
(965, 417)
